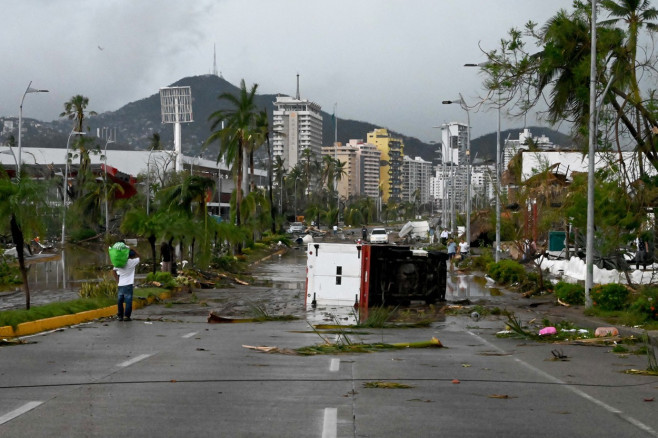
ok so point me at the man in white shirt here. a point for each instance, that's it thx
(125, 277)
(444, 236)
(463, 248)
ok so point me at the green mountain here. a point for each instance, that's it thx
(136, 122)
(484, 147)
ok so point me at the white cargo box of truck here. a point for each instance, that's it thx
(366, 275)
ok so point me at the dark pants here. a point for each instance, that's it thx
(640, 258)
(125, 294)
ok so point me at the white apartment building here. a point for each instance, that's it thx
(454, 140)
(512, 147)
(416, 174)
(297, 125)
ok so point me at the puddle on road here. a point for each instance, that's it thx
(468, 287)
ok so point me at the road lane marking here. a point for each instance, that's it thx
(330, 424)
(335, 365)
(189, 335)
(134, 360)
(576, 391)
(20, 411)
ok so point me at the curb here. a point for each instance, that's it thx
(42, 325)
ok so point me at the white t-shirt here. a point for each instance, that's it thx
(463, 247)
(127, 273)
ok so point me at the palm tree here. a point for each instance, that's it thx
(263, 129)
(23, 204)
(76, 109)
(236, 126)
(155, 144)
(636, 14)
(137, 222)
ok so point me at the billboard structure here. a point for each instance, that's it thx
(176, 108)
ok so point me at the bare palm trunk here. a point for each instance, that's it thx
(17, 237)
(151, 240)
(269, 177)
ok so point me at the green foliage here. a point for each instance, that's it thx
(106, 288)
(610, 297)
(225, 263)
(15, 317)
(378, 317)
(81, 234)
(273, 239)
(646, 304)
(570, 293)
(482, 262)
(507, 272)
(9, 273)
(165, 279)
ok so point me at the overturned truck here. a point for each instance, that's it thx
(373, 275)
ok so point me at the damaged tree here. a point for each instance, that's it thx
(22, 202)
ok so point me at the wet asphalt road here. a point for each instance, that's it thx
(169, 373)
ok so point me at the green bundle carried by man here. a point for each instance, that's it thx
(119, 253)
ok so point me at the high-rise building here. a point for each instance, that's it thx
(454, 137)
(416, 174)
(390, 171)
(297, 125)
(361, 168)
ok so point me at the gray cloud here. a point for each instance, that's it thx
(385, 61)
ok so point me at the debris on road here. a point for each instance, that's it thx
(602, 332)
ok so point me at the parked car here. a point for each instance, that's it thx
(378, 235)
(296, 227)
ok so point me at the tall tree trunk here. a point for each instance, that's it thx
(17, 237)
(269, 177)
(151, 240)
(238, 186)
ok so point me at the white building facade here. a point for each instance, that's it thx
(416, 174)
(297, 125)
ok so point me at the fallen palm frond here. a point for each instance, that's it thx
(260, 314)
(651, 354)
(329, 348)
(642, 372)
(515, 326)
(386, 385)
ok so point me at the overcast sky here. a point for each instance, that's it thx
(389, 62)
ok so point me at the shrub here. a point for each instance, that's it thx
(570, 293)
(611, 296)
(9, 274)
(225, 263)
(646, 304)
(165, 279)
(481, 262)
(507, 271)
(105, 288)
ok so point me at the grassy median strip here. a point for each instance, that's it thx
(14, 317)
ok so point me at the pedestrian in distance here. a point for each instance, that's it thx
(165, 256)
(463, 248)
(431, 235)
(641, 251)
(452, 249)
(125, 277)
(444, 236)
(364, 233)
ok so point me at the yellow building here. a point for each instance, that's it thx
(390, 170)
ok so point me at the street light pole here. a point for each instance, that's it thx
(28, 90)
(589, 247)
(66, 183)
(498, 166)
(107, 210)
(148, 183)
(462, 103)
